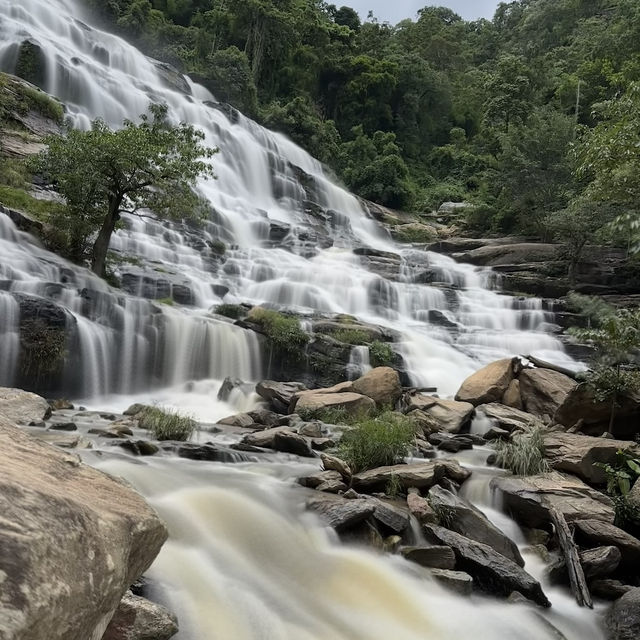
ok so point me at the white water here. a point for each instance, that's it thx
(242, 562)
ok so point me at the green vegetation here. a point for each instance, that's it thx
(103, 173)
(621, 476)
(233, 311)
(523, 455)
(168, 301)
(593, 309)
(414, 233)
(17, 198)
(166, 424)
(509, 114)
(285, 337)
(352, 336)
(18, 98)
(377, 441)
(614, 372)
(42, 349)
(381, 354)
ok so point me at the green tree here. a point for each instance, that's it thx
(103, 173)
(609, 156)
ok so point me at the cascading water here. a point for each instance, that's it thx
(242, 562)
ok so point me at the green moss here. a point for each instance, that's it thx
(233, 311)
(168, 301)
(352, 336)
(16, 198)
(284, 334)
(43, 104)
(30, 65)
(42, 349)
(218, 247)
(381, 354)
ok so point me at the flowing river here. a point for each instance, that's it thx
(244, 561)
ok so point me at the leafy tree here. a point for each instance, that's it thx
(609, 155)
(230, 79)
(616, 342)
(103, 173)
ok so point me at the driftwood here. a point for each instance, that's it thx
(542, 364)
(570, 551)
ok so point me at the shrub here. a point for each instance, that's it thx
(381, 354)
(377, 441)
(233, 311)
(524, 454)
(168, 301)
(352, 336)
(166, 424)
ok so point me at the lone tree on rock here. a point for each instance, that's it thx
(103, 173)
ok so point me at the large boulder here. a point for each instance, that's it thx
(491, 571)
(381, 384)
(340, 513)
(489, 383)
(511, 396)
(22, 407)
(530, 498)
(72, 541)
(577, 454)
(634, 495)
(422, 475)
(279, 394)
(581, 406)
(623, 619)
(352, 403)
(543, 391)
(469, 521)
(449, 415)
(139, 619)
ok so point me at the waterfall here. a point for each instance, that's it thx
(290, 243)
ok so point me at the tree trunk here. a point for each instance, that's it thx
(101, 245)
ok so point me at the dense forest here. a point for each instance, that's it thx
(508, 114)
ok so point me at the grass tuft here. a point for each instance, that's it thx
(523, 455)
(166, 424)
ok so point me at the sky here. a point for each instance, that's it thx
(395, 10)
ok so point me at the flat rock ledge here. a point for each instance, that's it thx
(72, 540)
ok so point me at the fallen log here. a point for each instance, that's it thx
(572, 559)
(543, 364)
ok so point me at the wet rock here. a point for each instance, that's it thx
(596, 532)
(315, 480)
(608, 588)
(577, 454)
(491, 571)
(61, 404)
(193, 451)
(381, 384)
(431, 556)
(22, 407)
(453, 445)
(64, 426)
(62, 440)
(227, 386)
(332, 486)
(392, 514)
(420, 507)
(596, 563)
(243, 420)
(262, 439)
(279, 394)
(352, 403)
(633, 496)
(267, 418)
(450, 415)
(135, 409)
(489, 383)
(543, 391)
(422, 475)
(54, 509)
(458, 581)
(287, 441)
(467, 520)
(333, 463)
(495, 433)
(139, 447)
(139, 619)
(340, 513)
(623, 619)
(312, 429)
(322, 444)
(529, 499)
(509, 418)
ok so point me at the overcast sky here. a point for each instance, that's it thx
(395, 10)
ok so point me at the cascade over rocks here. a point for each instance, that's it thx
(56, 509)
